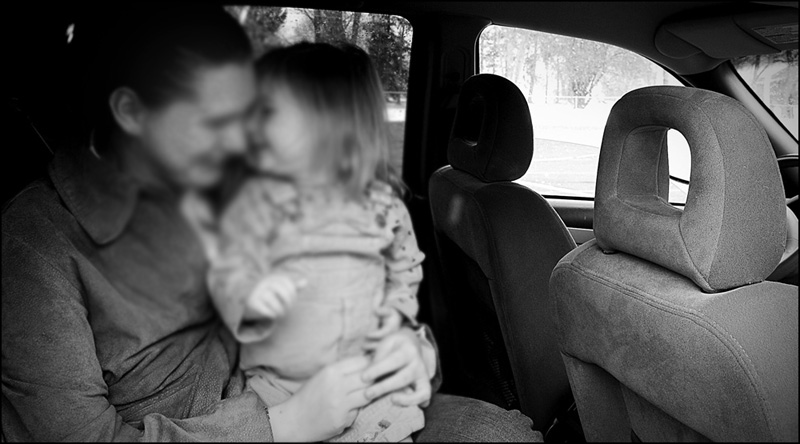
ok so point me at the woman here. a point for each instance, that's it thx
(108, 330)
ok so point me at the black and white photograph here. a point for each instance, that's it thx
(400, 221)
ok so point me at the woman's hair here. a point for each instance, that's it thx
(339, 88)
(155, 50)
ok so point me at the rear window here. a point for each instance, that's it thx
(386, 38)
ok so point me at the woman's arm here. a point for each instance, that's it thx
(53, 385)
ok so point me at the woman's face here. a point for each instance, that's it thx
(284, 137)
(188, 140)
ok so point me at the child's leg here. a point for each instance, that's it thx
(383, 421)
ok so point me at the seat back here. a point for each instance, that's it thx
(666, 325)
(498, 242)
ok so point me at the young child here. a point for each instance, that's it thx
(317, 253)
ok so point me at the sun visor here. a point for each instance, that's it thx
(730, 36)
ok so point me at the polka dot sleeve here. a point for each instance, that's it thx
(403, 263)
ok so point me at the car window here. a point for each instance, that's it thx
(773, 77)
(387, 39)
(570, 85)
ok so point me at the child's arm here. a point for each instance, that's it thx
(403, 276)
(403, 264)
(247, 296)
(399, 328)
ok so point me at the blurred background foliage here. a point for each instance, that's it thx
(386, 38)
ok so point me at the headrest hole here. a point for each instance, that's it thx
(680, 166)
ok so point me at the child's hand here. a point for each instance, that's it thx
(273, 296)
(390, 320)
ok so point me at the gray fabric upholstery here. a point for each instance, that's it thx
(647, 347)
(498, 243)
(723, 364)
(732, 230)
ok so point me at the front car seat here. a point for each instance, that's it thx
(666, 325)
(498, 242)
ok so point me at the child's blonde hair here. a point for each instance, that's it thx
(340, 89)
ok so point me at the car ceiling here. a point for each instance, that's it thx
(687, 37)
(635, 25)
(650, 28)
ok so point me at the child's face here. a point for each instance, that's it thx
(284, 138)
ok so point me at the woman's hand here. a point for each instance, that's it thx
(398, 358)
(325, 405)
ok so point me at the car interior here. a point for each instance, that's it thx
(562, 277)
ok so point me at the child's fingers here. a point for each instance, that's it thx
(265, 306)
(282, 303)
(287, 291)
(283, 289)
(279, 302)
(275, 294)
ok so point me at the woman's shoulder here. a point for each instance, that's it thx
(27, 212)
(39, 232)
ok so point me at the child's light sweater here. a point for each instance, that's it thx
(354, 255)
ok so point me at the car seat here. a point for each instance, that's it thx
(498, 242)
(666, 325)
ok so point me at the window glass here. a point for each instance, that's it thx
(570, 85)
(773, 77)
(680, 166)
(387, 39)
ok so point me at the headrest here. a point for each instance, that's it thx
(492, 136)
(732, 230)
